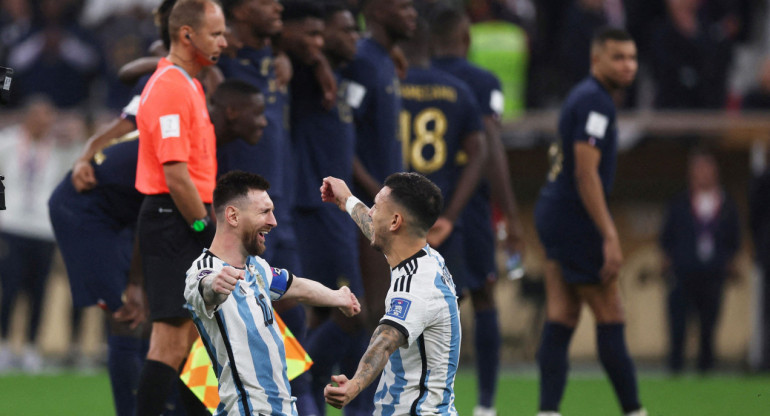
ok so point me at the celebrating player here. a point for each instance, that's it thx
(230, 290)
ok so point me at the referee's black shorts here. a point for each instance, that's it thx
(168, 247)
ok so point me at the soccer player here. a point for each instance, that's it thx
(574, 224)
(375, 97)
(176, 170)
(256, 23)
(324, 144)
(450, 40)
(230, 290)
(99, 266)
(417, 343)
(440, 120)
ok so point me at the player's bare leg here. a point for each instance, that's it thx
(606, 303)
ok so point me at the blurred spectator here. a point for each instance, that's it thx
(15, 23)
(689, 59)
(759, 221)
(57, 59)
(700, 238)
(758, 98)
(33, 160)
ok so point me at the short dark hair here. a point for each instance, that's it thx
(229, 5)
(161, 21)
(421, 197)
(236, 184)
(332, 7)
(187, 12)
(605, 33)
(231, 90)
(444, 20)
(294, 10)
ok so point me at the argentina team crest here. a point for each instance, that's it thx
(399, 308)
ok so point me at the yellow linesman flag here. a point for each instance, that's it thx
(198, 373)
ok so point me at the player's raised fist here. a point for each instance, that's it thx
(335, 191)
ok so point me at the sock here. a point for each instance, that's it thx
(617, 363)
(124, 365)
(156, 384)
(363, 404)
(327, 345)
(553, 362)
(487, 344)
(193, 406)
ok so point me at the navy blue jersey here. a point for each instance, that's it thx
(484, 84)
(129, 111)
(439, 112)
(486, 88)
(268, 157)
(324, 141)
(376, 103)
(588, 115)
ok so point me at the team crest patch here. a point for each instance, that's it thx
(399, 307)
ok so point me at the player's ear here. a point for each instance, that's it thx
(231, 215)
(396, 222)
(231, 113)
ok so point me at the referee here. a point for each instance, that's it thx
(176, 169)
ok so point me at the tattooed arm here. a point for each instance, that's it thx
(336, 191)
(385, 341)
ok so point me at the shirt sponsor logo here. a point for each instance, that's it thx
(356, 93)
(399, 308)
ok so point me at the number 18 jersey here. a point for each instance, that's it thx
(439, 111)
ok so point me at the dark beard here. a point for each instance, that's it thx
(251, 244)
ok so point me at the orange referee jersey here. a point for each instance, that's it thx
(174, 126)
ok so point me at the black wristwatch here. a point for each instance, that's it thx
(200, 224)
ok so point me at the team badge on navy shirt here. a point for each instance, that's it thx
(399, 307)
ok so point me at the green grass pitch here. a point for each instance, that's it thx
(588, 394)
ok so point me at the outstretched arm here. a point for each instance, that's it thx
(385, 340)
(313, 293)
(336, 191)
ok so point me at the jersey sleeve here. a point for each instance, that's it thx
(592, 120)
(129, 111)
(473, 116)
(362, 86)
(170, 118)
(280, 282)
(192, 291)
(490, 97)
(408, 313)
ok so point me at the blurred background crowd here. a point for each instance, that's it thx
(706, 59)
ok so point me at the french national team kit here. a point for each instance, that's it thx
(422, 304)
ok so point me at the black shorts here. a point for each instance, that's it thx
(571, 238)
(168, 247)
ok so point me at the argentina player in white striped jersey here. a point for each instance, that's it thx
(230, 289)
(417, 344)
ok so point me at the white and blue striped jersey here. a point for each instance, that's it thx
(422, 304)
(242, 338)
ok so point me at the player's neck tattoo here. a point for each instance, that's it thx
(361, 217)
